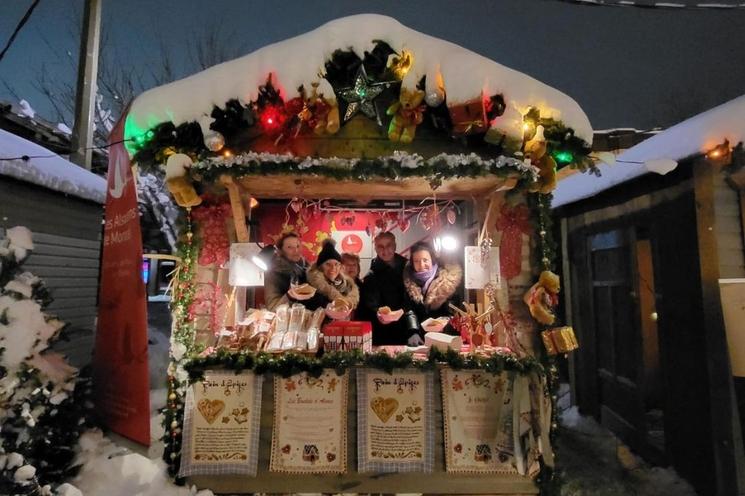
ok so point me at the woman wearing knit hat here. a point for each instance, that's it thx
(329, 280)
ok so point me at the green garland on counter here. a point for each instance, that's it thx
(288, 364)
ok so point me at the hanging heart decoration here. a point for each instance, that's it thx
(451, 215)
(296, 204)
(403, 222)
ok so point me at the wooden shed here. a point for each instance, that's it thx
(62, 204)
(643, 256)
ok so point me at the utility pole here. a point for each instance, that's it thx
(85, 99)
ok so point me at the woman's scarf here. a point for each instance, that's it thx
(425, 278)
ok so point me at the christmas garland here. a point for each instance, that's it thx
(288, 364)
(540, 205)
(370, 84)
(397, 166)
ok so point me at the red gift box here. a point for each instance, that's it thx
(469, 117)
(347, 335)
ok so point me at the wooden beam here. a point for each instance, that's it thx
(719, 373)
(239, 214)
(566, 287)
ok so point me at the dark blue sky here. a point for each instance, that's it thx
(625, 66)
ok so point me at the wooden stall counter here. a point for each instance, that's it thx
(425, 428)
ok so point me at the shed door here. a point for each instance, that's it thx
(617, 334)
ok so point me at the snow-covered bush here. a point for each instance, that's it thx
(44, 402)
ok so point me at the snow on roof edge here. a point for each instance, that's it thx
(52, 171)
(298, 61)
(688, 138)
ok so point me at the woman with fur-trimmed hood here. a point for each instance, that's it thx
(430, 287)
(327, 276)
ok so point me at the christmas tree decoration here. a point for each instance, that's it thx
(469, 117)
(400, 65)
(559, 340)
(407, 113)
(513, 222)
(214, 141)
(543, 297)
(178, 181)
(359, 98)
(434, 88)
(563, 157)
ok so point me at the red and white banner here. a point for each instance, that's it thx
(120, 365)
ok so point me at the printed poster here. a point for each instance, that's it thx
(310, 424)
(479, 272)
(395, 431)
(478, 418)
(120, 361)
(221, 425)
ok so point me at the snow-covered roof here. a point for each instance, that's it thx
(693, 136)
(50, 170)
(299, 61)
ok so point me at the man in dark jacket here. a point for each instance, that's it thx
(287, 269)
(383, 286)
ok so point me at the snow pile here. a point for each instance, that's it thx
(47, 169)
(115, 471)
(693, 136)
(298, 61)
(593, 461)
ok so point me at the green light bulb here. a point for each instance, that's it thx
(564, 157)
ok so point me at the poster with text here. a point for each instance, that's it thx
(120, 361)
(395, 431)
(221, 425)
(310, 424)
(478, 418)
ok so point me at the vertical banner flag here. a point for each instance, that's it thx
(120, 365)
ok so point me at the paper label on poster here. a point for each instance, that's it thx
(478, 273)
(477, 413)
(310, 424)
(395, 417)
(221, 425)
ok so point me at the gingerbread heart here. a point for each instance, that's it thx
(210, 409)
(384, 408)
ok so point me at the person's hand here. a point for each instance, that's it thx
(415, 340)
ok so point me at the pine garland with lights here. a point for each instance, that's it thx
(397, 166)
(545, 257)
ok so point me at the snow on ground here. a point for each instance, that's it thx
(693, 136)
(48, 170)
(298, 61)
(115, 470)
(595, 463)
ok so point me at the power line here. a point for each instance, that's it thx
(26, 158)
(18, 28)
(655, 5)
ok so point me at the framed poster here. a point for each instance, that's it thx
(395, 431)
(310, 424)
(221, 425)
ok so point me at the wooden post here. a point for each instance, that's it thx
(566, 287)
(717, 357)
(239, 214)
(85, 95)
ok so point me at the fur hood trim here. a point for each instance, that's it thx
(442, 288)
(318, 280)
